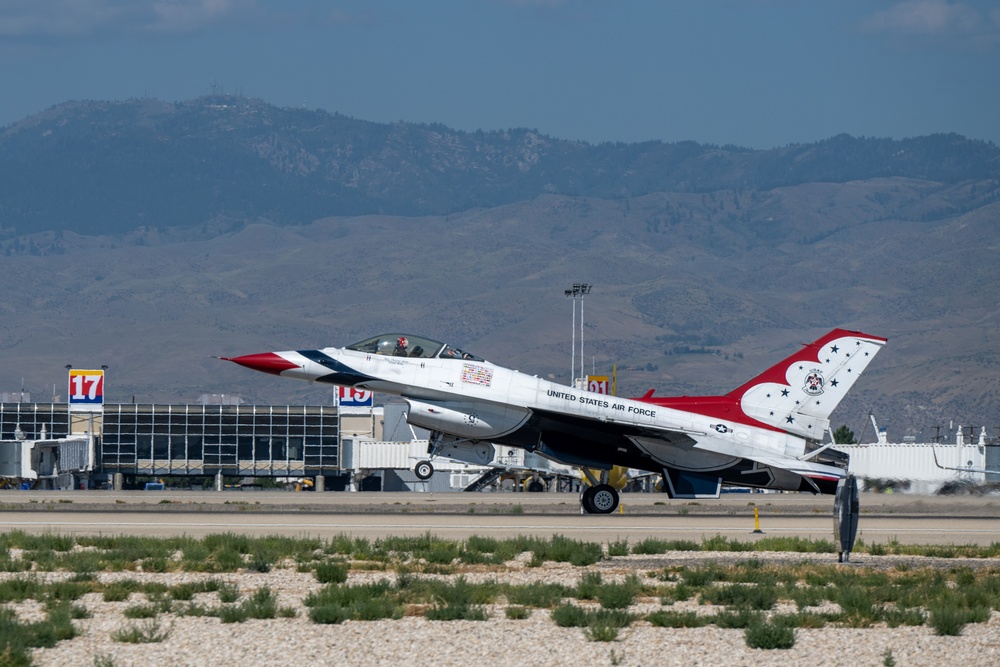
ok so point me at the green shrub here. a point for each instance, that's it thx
(330, 614)
(681, 592)
(897, 617)
(441, 554)
(544, 596)
(142, 611)
(458, 592)
(78, 611)
(601, 632)
(456, 612)
(859, 606)
(741, 595)
(618, 548)
(613, 617)
(229, 592)
(20, 588)
(331, 572)
(565, 550)
(57, 626)
(154, 564)
(947, 621)
(809, 596)
(193, 609)
(119, 591)
(374, 609)
(184, 592)
(232, 613)
(482, 545)
(144, 633)
(589, 586)
(63, 591)
(794, 544)
(677, 619)
(738, 618)
(259, 563)
(345, 595)
(652, 545)
(703, 576)
(517, 613)
(262, 604)
(569, 616)
(769, 635)
(366, 602)
(618, 596)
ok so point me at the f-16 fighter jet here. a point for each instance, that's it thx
(767, 433)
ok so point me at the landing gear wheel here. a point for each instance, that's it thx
(536, 486)
(423, 470)
(600, 499)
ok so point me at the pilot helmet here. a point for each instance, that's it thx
(402, 342)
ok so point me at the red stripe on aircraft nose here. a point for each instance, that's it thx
(265, 362)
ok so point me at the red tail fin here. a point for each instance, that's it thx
(799, 393)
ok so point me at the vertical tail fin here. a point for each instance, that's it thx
(799, 393)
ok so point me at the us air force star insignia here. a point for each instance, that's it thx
(814, 383)
(722, 428)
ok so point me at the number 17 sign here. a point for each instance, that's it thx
(86, 390)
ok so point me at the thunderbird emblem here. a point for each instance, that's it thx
(814, 383)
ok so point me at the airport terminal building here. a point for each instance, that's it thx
(69, 447)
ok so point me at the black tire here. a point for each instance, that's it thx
(423, 470)
(536, 486)
(600, 499)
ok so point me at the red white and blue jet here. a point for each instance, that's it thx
(767, 433)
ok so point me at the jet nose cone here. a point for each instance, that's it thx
(265, 362)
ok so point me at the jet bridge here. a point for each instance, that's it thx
(48, 463)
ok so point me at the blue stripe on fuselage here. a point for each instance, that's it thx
(341, 373)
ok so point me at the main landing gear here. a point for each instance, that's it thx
(600, 497)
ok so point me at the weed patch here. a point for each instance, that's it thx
(769, 635)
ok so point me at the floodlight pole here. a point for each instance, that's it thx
(572, 346)
(579, 290)
(584, 290)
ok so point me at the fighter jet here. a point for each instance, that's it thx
(766, 433)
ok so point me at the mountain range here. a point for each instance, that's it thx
(150, 236)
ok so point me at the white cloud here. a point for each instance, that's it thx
(62, 18)
(937, 19)
(186, 15)
(535, 3)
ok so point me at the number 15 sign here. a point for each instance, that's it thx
(86, 390)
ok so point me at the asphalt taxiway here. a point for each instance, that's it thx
(884, 518)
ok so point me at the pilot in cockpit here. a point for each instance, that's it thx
(454, 353)
(400, 350)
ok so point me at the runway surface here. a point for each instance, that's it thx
(907, 519)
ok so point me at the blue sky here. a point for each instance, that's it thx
(756, 73)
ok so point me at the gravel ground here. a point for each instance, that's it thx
(416, 641)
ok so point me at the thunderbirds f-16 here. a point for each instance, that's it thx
(767, 433)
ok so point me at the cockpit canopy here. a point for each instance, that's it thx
(406, 345)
